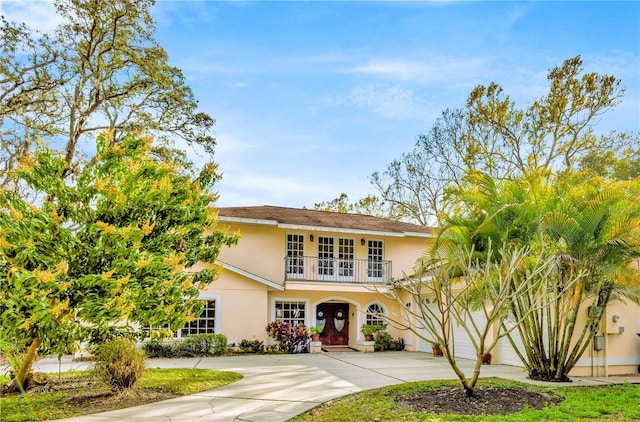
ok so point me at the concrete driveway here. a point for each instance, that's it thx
(278, 387)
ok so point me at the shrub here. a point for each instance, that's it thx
(119, 364)
(203, 345)
(291, 339)
(158, 349)
(192, 346)
(383, 341)
(249, 346)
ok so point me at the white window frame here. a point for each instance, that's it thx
(289, 251)
(307, 308)
(326, 268)
(346, 263)
(216, 318)
(370, 318)
(375, 265)
(332, 267)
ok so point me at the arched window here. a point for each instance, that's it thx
(375, 314)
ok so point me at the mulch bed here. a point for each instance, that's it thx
(486, 401)
(86, 396)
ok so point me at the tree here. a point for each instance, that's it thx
(618, 165)
(588, 226)
(103, 70)
(454, 283)
(116, 247)
(26, 87)
(491, 134)
(370, 205)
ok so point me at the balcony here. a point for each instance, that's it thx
(311, 268)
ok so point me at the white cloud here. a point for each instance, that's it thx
(38, 14)
(246, 188)
(426, 71)
(394, 101)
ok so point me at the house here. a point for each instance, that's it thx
(314, 267)
(331, 269)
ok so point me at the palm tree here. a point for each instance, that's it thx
(589, 227)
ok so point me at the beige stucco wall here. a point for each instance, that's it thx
(621, 353)
(261, 250)
(358, 304)
(246, 305)
(241, 305)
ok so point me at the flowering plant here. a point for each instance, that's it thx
(291, 338)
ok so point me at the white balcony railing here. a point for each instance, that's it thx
(311, 268)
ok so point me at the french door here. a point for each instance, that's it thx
(375, 264)
(338, 266)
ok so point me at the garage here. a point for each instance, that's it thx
(506, 354)
(463, 345)
(422, 345)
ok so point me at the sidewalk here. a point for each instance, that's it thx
(279, 387)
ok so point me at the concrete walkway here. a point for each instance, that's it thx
(278, 387)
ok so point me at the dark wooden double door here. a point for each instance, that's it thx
(334, 318)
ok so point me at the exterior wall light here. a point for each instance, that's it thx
(310, 238)
(616, 318)
(362, 241)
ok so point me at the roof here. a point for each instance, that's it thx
(320, 220)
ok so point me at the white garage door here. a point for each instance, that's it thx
(507, 355)
(422, 345)
(463, 345)
(462, 341)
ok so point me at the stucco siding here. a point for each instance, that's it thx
(242, 305)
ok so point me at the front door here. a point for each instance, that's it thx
(334, 318)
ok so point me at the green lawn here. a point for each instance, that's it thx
(612, 402)
(62, 404)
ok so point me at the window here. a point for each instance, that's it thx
(295, 255)
(206, 324)
(336, 264)
(325, 256)
(375, 268)
(375, 314)
(292, 312)
(346, 254)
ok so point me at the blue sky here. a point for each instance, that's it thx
(311, 98)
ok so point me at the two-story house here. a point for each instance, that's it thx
(319, 268)
(332, 270)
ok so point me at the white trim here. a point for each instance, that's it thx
(353, 231)
(418, 234)
(216, 319)
(274, 223)
(218, 299)
(380, 304)
(307, 307)
(302, 256)
(256, 221)
(254, 277)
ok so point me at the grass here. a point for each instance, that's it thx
(64, 404)
(611, 402)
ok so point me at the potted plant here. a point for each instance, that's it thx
(369, 330)
(437, 351)
(315, 333)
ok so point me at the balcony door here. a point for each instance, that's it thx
(375, 257)
(295, 256)
(334, 266)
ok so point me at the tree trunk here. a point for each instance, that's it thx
(21, 376)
